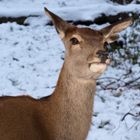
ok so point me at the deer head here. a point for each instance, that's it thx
(86, 56)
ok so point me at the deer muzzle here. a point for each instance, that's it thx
(102, 57)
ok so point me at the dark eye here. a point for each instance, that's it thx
(74, 41)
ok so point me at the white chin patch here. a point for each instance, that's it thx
(98, 68)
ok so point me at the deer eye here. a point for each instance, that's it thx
(74, 41)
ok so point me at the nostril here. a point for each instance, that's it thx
(101, 53)
(103, 59)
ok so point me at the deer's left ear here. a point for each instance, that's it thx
(110, 32)
(60, 25)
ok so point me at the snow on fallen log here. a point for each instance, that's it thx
(87, 12)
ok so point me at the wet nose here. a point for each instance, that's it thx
(103, 55)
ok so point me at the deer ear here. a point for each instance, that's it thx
(110, 32)
(60, 25)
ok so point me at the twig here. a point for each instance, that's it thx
(109, 78)
(123, 118)
(132, 81)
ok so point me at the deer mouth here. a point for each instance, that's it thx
(98, 65)
(98, 61)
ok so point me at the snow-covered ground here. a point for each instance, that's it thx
(31, 58)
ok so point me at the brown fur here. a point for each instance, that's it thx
(67, 113)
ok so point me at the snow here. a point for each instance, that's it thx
(88, 10)
(112, 111)
(31, 59)
(28, 58)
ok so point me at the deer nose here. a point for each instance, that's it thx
(103, 55)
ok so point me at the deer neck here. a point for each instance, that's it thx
(74, 102)
(71, 87)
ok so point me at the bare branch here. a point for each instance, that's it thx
(131, 114)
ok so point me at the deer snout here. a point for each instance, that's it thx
(104, 56)
(100, 57)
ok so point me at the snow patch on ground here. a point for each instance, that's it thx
(28, 59)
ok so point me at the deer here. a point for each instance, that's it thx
(67, 113)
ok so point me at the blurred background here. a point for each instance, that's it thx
(31, 56)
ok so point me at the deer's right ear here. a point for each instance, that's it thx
(60, 25)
